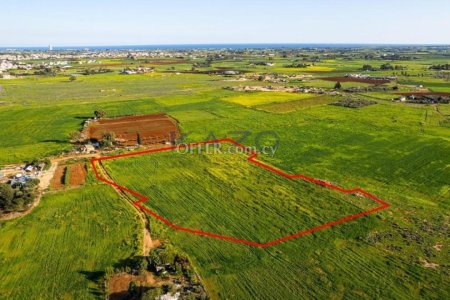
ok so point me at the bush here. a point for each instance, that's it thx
(6, 197)
(353, 103)
(66, 176)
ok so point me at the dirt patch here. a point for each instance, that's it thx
(119, 284)
(438, 247)
(353, 79)
(78, 174)
(131, 130)
(57, 181)
(429, 265)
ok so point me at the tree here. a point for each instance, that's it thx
(109, 138)
(99, 113)
(367, 68)
(72, 78)
(338, 86)
(6, 197)
(139, 140)
(75, 136)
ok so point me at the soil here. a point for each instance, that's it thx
(429, 265)
(78, 174)
(118, 284)
(57, 181)
(351, 79)
(438, 247)
(152, 129)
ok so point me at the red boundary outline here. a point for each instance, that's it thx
(252, 159)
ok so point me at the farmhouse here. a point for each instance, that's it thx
(19, 180)
(88, 148)
(424, 97)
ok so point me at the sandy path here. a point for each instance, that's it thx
(44, 183)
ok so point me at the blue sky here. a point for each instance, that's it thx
(146, 22)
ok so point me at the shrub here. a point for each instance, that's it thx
(353, 103)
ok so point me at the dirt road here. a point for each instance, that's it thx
(44, 181)
(148, 243)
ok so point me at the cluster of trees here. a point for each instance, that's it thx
(353, 103)
(47, 71)
(100, 70)
(398, 57)
(108, 139)
(296, 65)
(383, 67)
(99, 113)
(203, 64)
(168, 264)
(19, 197)
(443, 67)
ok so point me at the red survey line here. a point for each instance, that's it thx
(253, 159)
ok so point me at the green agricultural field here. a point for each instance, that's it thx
(260, 206)
(397, 151)
(384, 148)
(64, 247)
(258, 98)
(291, 106)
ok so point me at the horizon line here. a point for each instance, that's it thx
(229, 43)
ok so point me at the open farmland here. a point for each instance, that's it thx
(360, 80)
(259, 98)
(148, 129)
(193, 190)
(63, 249)
(397, 151)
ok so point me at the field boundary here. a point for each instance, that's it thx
(253, 159)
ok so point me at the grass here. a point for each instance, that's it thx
(258, 98)
(260, 206)
(66, 176)
(382, 148)
(64, 247)
(291, 106)
(396, 151)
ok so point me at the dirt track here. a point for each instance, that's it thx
(45, 181)
(148, 243)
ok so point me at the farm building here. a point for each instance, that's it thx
(88, 148)
(19, 180)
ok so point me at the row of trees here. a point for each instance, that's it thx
(442, 67)
(383, 67)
